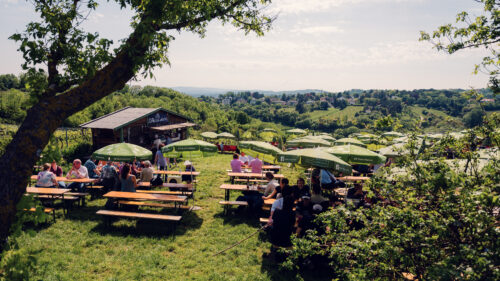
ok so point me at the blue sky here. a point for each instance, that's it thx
(332, 45)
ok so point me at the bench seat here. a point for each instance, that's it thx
(264, 220)
(238, 203)
(148, 204)
(95, 187)
(252, 180)
(45, 210)
(135, 215)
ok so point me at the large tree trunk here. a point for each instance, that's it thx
(40, 123)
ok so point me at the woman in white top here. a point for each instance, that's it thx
(46, 178)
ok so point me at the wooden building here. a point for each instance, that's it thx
(139, 126)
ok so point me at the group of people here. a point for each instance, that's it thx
(242, 161)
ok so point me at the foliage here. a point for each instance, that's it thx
(479, 32)
(80, 151)
(433, 222)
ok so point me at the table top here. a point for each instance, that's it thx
(252, 175)
(182, 173)
(47, 191)
(266, 167)
(353, 178)
(85, 180)
(144, 196)
(240, 187)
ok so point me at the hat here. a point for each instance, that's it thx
(317, 207)
(306, 196)
(187, 163)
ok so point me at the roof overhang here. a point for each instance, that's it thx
(173, 126)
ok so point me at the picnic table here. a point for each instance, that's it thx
(139, 196)
(249, 176)
(53, 193)
(238, 187)
(85, 180)
(265, 167)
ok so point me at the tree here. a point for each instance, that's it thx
(81, 68)
(474, 117)
(483, 31)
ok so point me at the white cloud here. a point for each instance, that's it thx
(317, 30)
(307, 6)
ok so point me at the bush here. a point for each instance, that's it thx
(80, 151)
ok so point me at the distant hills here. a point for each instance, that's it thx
(197, 92)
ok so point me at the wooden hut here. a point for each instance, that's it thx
(139, 126)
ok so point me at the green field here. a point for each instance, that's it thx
(82, 248)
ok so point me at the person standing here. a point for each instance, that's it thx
(160, 161)
(78, 171)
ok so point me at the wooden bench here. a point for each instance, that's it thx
(250, 180)
(135, 215)
(80, 195)
(45, 210)
(159, 205)
(167, 192)
(226, 204)
(94, 189)
(264, 220)
(66, 199)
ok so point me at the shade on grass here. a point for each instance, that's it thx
(354, 154)
(266, 151)
(122, 152)
(209, 135)
(189, 148)
(315, 157)
(225, 135)
(346, 141)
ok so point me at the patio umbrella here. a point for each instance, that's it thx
(307, 142)
(354, 154)
(189, 148)
(225, 135)
(315, 157)
(328, 138)
(399, 149)
(296, 132)
(209, 135)
(393, 134)
(266, 151)
(122, 152)
(345, 141)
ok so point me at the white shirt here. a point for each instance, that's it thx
(83, 173)
(277, 204)
(244, 159)
(270, 187)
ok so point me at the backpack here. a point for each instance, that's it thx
(156, 181)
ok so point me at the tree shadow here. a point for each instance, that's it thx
(149, 228)
(235, 218)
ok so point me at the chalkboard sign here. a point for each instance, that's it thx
(157, 119)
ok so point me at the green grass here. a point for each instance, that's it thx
(418, 110)
(82, 248)
(335, 113)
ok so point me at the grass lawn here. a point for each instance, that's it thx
(82, 248)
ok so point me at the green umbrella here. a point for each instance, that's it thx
(308, 142)
(354, 154)
(225, 136)
(315, 157)
(189, 148)
(296, 132)
(209, 135)
(266, 151)
(393, 134)
(345, 141)
(122, 152)
(328, 138)
(398, 149)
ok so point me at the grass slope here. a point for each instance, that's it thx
(82, 248)
(335, 113)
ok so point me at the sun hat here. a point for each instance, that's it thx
(187, 163)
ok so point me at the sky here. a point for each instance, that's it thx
(332, 45)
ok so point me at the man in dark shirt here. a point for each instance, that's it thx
(301, 189)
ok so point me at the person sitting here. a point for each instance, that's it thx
(327, 179)
(304, 215)
(316, 197)
(78, 171)
(256, 165)
(189, 168)
(301, 189)
(127, 181)
(146, 172)
(108, 176)
(270, 190)
(46, 178)
(92, 168)
(356, 192)
(236, 164)
(243, 158)
(134, 169)
(57, 170)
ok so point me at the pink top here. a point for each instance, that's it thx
(236, 165)
(256, 165)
